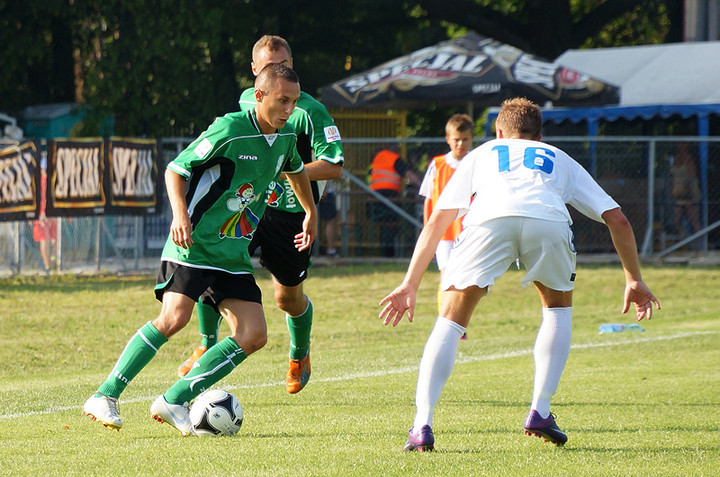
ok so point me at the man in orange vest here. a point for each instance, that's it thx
(387, 172)
(459, 136)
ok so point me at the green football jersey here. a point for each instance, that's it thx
(318, 139)
(231, 170)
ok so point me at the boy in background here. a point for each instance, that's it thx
(459, 136)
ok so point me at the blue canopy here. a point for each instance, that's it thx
(611, 113)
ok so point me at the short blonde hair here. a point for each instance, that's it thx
(520, 117)
(272, 43)
(459, 123)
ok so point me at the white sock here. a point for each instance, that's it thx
(552, 347)
(435, 367)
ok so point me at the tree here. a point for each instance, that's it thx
(36, 54)
(160, 74)
(168, 67)
(549, 28)
(173, 71)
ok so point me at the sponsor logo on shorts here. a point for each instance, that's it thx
(332, 134)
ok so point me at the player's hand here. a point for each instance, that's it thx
(640, 294)
(396, 303)
(305, 239)
(181, 231)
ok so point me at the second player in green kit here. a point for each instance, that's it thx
(319, 145)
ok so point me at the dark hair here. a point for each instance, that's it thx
(273, 71)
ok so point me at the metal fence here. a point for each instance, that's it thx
(644, 175)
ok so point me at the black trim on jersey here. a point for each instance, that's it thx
(304, 149)
(217, 189)
(253, 120)
(287, 167)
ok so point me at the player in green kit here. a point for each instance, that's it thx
(321, 150)
(217, 189)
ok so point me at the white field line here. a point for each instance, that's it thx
(387, 372)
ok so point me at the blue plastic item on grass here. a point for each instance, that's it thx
(619, 328)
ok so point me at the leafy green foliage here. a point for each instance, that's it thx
(168, 68)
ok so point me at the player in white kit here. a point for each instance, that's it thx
(514, 190)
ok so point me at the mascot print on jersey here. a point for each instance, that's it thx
(243, 222)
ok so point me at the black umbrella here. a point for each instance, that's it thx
(471, 70)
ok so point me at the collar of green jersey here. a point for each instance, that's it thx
(256, 124)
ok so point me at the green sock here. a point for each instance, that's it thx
(209, 323)
(215, 364)
(299, 328)
(141, 348)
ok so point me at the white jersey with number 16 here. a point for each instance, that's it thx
(522, 178)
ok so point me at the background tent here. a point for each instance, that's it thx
(471, 70)
(677, 79)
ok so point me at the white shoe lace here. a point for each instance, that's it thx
(112, 406)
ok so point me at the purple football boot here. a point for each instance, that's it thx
(544, 428)
(421, 441)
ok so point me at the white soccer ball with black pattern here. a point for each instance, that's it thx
(216, 413)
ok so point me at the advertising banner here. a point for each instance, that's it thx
(133, 171)
(92, 176)
(76, 177)
(19, 182)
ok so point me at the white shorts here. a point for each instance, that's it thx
(483, 253)
(442, 253)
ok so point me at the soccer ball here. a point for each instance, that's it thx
(216, 413)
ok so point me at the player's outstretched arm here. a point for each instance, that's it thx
(402, 299)
(301, 186)
(636, 291)
(181, 227)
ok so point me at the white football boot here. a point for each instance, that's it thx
(104, 410)
(177, 415)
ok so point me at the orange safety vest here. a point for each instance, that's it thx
(383, 175)
(443, 173)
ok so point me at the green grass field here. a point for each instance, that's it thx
(631, 403)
